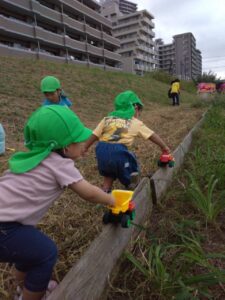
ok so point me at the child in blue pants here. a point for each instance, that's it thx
(115, 134)
(35, 179)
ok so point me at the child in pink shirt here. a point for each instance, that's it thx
(35, 179)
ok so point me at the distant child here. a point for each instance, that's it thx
(54, 135)
(116, 133)
(175, 91)
(51, 88)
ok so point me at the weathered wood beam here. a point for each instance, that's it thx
(162, 178)
(87, 278)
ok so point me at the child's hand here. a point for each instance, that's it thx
(112, 201)
(167, 149)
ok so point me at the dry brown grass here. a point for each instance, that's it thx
(73, 223)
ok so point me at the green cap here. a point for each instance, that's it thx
(50, 84)
(123, 106)
(134, 99)
(48, 128)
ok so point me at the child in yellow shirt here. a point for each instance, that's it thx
(175, 91)
(116, 133)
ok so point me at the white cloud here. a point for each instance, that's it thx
(204, 18)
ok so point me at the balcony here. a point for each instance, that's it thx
(49, 37)
(148, 31)
(112, 55)
(145, 58)
(75, 45)
(81, 8)
(127, 23)
(93, 32)
(6, 51)
(143, 68)
(95, 50)
(146, 39)
(18, 5)
(148, 21)
(128, 40)
(111, 40)
(73, 24)
(46, 13)
(125, 32)
(51, 57)
(127, 49)
(16, 27)
(146, 49)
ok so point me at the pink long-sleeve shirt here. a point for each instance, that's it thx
(26, 197)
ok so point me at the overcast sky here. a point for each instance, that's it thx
(204, 18)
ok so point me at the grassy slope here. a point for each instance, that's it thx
(91, 90)
(87, 87)
(74, 224)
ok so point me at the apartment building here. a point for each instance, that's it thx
(197, 64)
(65, 30)
(135, 32)
(125, 7)
(165, 56)
(180, 58)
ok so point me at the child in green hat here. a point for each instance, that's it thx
(116, 134)
(35, 179)
(51, 88)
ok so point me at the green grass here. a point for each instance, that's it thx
(178, 257)
(21, 78)
(162, 76)
(206, 201)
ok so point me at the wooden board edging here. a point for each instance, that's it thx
(162, 178)
(87, 278)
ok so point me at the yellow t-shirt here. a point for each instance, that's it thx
(175, 88)
(120, 131)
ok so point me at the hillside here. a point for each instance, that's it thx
(73, 223)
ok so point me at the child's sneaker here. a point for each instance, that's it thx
(51, 286)
(18, 295)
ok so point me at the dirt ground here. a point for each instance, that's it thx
(73, 223)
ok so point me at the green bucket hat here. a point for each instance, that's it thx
(50, 84)
(123, 106)
(48, 128)
(134, 99)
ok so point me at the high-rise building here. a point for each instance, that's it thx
(180, 58)
(135, 32)
(125, 7)
(165, 55)
(69, 30)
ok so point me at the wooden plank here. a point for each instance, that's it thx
(162, 178)
(87, 279)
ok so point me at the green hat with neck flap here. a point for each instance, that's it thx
(123, 106)
(48, 128)
(134, 99)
